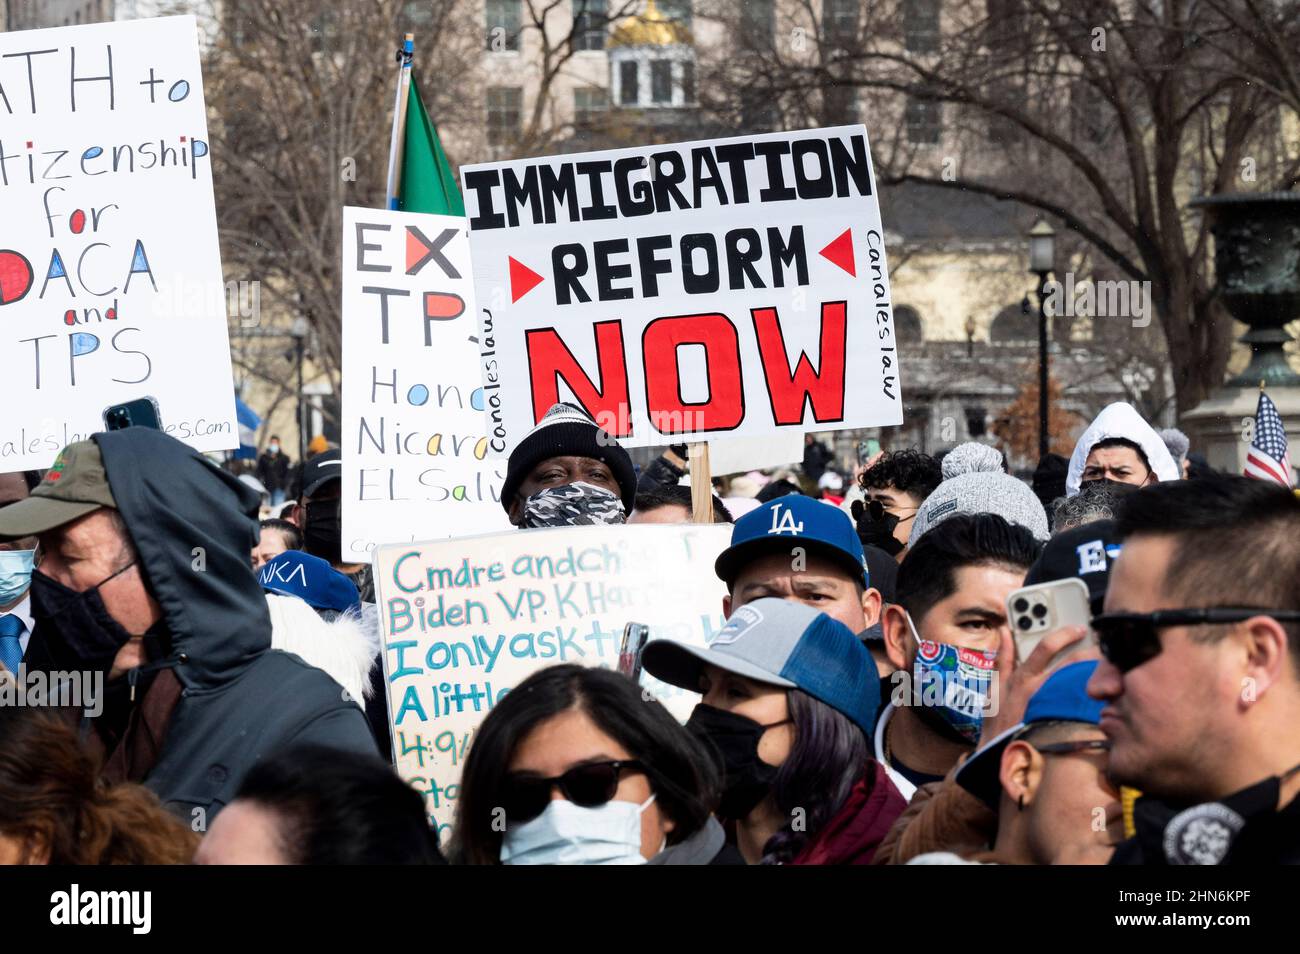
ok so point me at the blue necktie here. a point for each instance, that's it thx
(11, 650)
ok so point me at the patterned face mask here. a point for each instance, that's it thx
(573, 505)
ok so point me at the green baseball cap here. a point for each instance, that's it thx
(75, 484)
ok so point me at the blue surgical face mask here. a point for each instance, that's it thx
(568, 834)
(951, 685)
(15, 574)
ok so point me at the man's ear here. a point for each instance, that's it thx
(1021, 772)
(516, 511)
(297, 514)
(872, 601)
(898, 640)
(726, 606)
(1267, 656)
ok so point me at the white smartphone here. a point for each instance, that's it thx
(1034, 611)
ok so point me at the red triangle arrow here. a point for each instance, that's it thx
(522, 280)
(415, 251)
(840, 252)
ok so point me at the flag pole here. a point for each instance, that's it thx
(398, 142)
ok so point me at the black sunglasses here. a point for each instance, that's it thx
(1073, 748)
(587, 785)
(878, 511)
(1127, 640)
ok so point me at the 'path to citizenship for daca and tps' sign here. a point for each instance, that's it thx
(706, 289)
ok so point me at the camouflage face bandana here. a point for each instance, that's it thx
(573, 505)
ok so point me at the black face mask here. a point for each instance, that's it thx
(322, 533)
(76, 629)
(734, 739)
(876, 532)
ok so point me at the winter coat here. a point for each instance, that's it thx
(193, 526)
(852, 836)
(273, 471)
(708, 846)
(338, 647)
(942, 816)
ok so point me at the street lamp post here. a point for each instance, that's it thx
(299, 334)
(1042, 252)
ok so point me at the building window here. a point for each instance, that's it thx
(589, 20)
(839, 105)
(758, 23)
(503, 25)
(629, 93)
(505, 110)
(907, 323)
(921, 26)
(840, 20)
(417, 13)
(688, 82)
(923, 121)
(588, 104)
(678, 11)
(661, 82)
(1015, 323)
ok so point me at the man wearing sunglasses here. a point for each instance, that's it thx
(1201, 671)
(895, 487)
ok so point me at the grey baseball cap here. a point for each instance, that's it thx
(780, 643)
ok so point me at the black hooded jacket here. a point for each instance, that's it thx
(194, 526)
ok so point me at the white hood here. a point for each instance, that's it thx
(339, 647)
(1121, 420)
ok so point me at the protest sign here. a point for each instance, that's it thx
(705, 289)
(734, 455)
(110, 273)
(414, 448)
(464, 621)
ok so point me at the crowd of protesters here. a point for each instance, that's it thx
(866, 703)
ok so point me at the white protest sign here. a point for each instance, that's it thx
(733, 455)
(110, 272)
(414, 449)
(464, 621)
(706, 289)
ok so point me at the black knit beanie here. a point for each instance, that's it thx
(566, 430)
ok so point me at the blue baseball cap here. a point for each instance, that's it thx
(1062, 698)
(311, 579)
(781, 643)
(793, 521)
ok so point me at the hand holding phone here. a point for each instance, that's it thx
(1034, 611)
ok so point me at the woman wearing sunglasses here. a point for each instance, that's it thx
(790, 696)
(576, 766)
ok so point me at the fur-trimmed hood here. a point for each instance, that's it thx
(339, 647)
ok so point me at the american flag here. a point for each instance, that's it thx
(1268, 458)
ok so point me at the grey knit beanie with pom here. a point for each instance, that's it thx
(974, 482)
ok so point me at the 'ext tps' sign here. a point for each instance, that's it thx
(732, 287)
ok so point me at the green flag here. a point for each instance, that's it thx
(427, 182)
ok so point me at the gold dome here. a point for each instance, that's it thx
(650, 28)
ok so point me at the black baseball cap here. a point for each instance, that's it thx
(1087, 552)
(320, 470)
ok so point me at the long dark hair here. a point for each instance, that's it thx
(681, 772)
(828, 756)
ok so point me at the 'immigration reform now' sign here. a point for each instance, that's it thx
(705, 289)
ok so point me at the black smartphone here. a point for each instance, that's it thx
(142, 412)
(629, 654)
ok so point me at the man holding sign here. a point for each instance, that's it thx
(637, 282)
